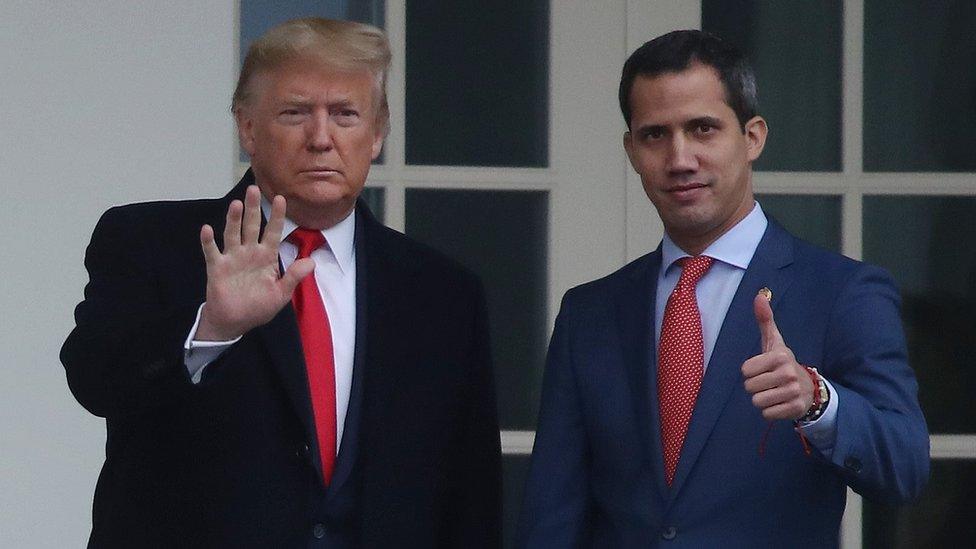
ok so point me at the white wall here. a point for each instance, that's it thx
(101, 103)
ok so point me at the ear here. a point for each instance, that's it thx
(245, 128)
(755, 136)
(629, 148)
(377, 144)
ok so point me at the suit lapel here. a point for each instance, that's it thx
(283, 342)
(738, 340)
(349, 446)
(635, 314)
(281, 338)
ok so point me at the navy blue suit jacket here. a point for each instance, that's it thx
(596, 477)
(232, 461)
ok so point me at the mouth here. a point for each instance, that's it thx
(686, 191)
(320, 172)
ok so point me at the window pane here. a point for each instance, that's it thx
(926, 242)
(944, 517)
(919, 85)
(795, 48)
(501, 236)
(514, 471)
(477, 83)
(375, 198)
(815, 219)
(257, 16)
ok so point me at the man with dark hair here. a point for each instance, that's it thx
(275, 367)
(725, 389)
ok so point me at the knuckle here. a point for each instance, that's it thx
(794, 388)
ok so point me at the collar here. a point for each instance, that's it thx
(339, 236)
(736, 247)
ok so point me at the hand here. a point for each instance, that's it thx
(243, 287)
(779, 386)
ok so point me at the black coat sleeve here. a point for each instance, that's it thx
(125, 354)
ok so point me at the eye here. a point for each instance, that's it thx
(705, 128)
(654, 133)
(346, 116)
(291, 115)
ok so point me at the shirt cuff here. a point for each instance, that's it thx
(822, 432)
(197, 355)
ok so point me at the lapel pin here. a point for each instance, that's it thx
(766, 292)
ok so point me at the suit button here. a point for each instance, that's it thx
(318, 531)
(853, 464)
(302, 451)
(669, 533)
(154, 369)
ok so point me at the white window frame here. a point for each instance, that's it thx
(586, 179)
(599, 217)
(852, 184)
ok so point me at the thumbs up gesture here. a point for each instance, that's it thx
(779, 386)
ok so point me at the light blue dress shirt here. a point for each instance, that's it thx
(732, 253)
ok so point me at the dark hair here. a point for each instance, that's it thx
(676, 50)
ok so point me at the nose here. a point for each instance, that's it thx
(319, 133)
(681, 156)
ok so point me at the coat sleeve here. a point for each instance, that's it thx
(882, 446)
(556, 501)
(125, 354)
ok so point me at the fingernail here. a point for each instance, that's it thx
(766, 292)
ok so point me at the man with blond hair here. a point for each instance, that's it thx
(276, 368)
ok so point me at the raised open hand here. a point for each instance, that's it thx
(244, 289)
(779, 385)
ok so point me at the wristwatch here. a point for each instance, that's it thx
(821, 396)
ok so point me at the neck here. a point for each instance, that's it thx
(319, 220)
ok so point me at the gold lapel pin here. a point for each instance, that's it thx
(766, 292)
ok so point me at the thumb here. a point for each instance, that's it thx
(295, 274)
(767, 326)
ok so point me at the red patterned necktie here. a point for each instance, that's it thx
(680, 361)
(313, 325)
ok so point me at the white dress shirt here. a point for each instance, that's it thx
(335, 275)
(732, 253)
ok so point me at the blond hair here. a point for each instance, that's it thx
(342, 45)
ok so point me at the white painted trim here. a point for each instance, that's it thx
(239, 171)
(394, 147)
(517, 443)
(852, 225)
(647, 19)
(476, 185)
(852, 181)
(953, 447)
(498, 176)
(395, 212)
(240, 168)
(850, 525)
(852, 108)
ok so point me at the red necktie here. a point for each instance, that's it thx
(680, 361)
(313, 325)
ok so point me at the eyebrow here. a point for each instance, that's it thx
(706, 120)
(294, 100)
(691, 123)
(302, 101)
